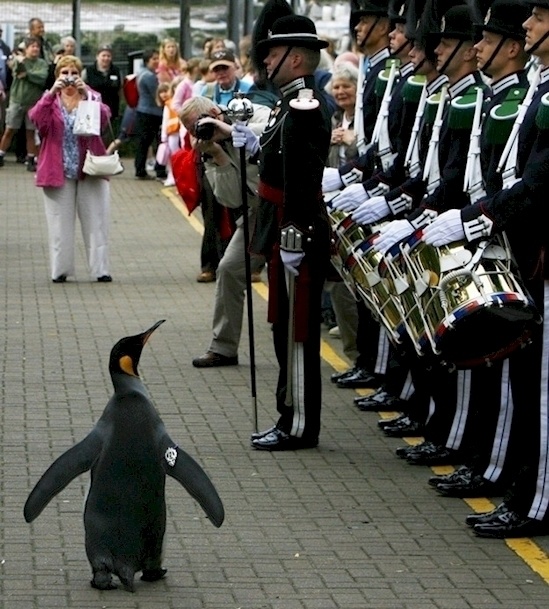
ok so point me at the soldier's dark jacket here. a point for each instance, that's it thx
(294, 148)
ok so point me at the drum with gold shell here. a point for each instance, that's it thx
(474, 305)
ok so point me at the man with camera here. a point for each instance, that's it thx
(212, 137)
(30, 73)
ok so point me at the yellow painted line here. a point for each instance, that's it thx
(525, 549)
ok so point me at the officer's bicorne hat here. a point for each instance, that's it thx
(293, 31)
(505, 17)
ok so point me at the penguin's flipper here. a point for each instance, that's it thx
(63, 470)
(180, 465)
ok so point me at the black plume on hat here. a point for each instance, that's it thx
(505, 17)
(271, 12)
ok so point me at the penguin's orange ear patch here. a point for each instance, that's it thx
(126, 365)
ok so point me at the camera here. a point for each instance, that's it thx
(204, 131)
(69, 80)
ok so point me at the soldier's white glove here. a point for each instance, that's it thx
(243, 136)
(446, 228)
(331, 180)
(350, 198)
(291, 261)
(392, 233)
(371, 210)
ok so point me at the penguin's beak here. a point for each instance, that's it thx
(147, 334)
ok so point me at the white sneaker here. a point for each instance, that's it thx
(334, 332)
(169, 182)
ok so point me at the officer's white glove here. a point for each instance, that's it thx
(392, 233)
(371, 210)
(291, 261)
(243, 136)
(446, 228)
(331, 180)
(350, 198)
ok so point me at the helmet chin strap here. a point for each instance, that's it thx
(401, 48)
(487, 65)
(279, 65)
(419, 65)
(445, 65)
(536, 46)
(368, 34)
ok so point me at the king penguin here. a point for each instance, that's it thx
(128, 453)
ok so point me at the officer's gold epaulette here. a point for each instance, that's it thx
(383, 77)
(499, 122)
(412, 89)
(542, 115)
(462, 110)
(431, 107)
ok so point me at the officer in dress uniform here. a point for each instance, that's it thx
(485, 429)
(517, 209)
(292, 229)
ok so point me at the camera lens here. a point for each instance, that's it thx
(204, 131)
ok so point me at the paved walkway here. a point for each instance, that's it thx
(346, 526)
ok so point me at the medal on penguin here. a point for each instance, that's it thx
(128, 453)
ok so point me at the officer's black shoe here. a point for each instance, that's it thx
(405, 426)
(510, 524)
(383, 423)
(380, 401)
(472, 519)
(429, 453)
(463, 473)
(361, 379)
(404, 451)
(476, 486)
(339, 375)
(278, 440)
(259, 434)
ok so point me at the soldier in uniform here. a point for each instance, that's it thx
(292, 229)
(517, 208)
(372, 26)
(486, 429)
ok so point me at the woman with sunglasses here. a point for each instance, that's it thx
(68, 192)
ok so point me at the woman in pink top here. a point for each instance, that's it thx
(68, 192)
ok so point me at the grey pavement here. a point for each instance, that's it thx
(344, 526)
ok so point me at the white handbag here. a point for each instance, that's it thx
(88, 118)
(102, 165)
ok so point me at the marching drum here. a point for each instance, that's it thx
(375, 289)
(466, 305)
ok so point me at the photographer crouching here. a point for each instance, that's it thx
(211, 131)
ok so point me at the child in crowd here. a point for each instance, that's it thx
(169, 131)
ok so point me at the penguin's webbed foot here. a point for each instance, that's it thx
(102, 580)
(152, 575)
